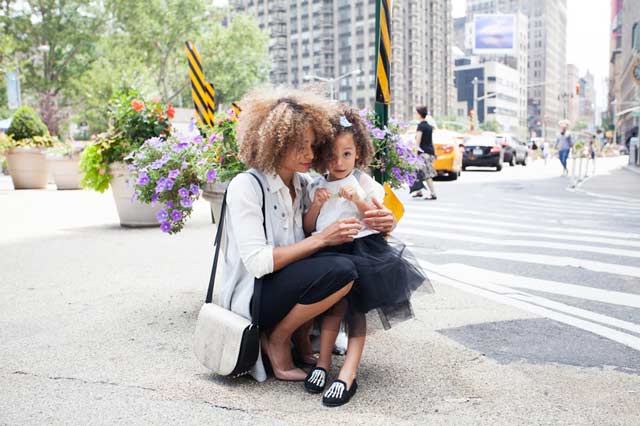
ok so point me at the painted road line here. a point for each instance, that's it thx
(587, 203)
(541, 285)
(409, 221)
(609, 333)
(568, 210)
(541, 259)
(520, 243)
(431, 213)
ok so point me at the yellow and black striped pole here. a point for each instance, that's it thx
(236, 109)
(383, 70)
(201, 91)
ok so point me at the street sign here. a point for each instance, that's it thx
(635, 114)
(13, 90)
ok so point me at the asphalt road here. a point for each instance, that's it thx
(535, 319)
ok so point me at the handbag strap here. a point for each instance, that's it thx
(257, 289)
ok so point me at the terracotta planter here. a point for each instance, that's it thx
(213, 193)
(28, 168)
(66, 172)
(132, 213)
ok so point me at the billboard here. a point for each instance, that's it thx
(494, 34)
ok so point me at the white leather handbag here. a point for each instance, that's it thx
(227, 343)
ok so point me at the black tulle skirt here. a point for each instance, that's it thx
(388, 274)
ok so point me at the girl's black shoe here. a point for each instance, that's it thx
(316, 380)
(338, 394)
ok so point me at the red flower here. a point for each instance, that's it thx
(137, 105)
(170, 111)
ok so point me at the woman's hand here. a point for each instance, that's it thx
(340, 232)
(380, 219)
(321, 196)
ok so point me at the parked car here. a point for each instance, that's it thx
(482, 151)
(515, 151)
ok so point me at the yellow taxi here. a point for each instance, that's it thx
(448, 154)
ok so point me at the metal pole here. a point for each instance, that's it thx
(475, 103)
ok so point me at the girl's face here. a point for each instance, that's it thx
(299, 160)
(344, 158)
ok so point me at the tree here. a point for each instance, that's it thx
(491, 126)
(235, 58)
(579, 125)
(70, 29)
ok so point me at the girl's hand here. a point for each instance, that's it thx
(340, 232)
(380, 219)
(321, 196)
(348, 192)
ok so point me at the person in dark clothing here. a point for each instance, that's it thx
(424, 139)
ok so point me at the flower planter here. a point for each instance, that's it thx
(28, 168)
(66, 172)
(213, 193)
(132, 213)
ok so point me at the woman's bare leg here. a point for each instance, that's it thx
(302, 342)
(277, 345)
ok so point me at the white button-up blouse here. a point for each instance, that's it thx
(246, 253)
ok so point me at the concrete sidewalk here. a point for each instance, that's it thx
(623, 184)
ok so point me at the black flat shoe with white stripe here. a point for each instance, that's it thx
(338, 394)
(316, 380)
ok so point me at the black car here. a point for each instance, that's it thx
(482, 151)
(515, 151)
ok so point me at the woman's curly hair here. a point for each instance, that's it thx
(273, 120)
(323, 154)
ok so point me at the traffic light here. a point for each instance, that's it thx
(577, 88)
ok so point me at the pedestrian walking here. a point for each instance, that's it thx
(593, 147)
(424, 140)
(564, 143)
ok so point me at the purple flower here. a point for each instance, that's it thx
(211, 175)
(194, 189)
(154, 199)
(169, 204)
(161, 185)
(165, 226)
(180, 146)
(183, 192)
(378, 133)
(198, 139)
(157, 164)
(201, 162)
(397, 173)
(184, 165)
(174, 173)
(154, 142)
(176, 215)
(410, 178)
(192, 125)
(168, 184)
(186, 202)
(143, 179)
(162, 215)
(213, 138)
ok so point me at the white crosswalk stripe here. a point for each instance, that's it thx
(493, 230)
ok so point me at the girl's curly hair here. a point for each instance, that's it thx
(323, 154)
(273, 120)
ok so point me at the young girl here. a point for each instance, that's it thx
(387, 273)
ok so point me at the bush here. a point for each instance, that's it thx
(26, 124)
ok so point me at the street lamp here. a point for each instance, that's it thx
(332, 81)
(44, 49)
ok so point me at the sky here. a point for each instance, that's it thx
(587, 38)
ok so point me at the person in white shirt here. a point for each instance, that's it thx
(276, 131)
(387, 274)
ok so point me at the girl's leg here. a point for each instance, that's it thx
(302, 343)
(329, 332)
(277, 345)
(355, 347)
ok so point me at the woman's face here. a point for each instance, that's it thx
(299, 160)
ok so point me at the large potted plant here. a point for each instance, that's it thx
(172, 172)
(28, 139)
(64, 162)
(132, 121)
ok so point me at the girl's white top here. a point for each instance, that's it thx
(336, 207)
